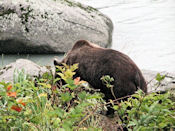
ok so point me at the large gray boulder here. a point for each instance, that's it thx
(24, 66)
(50, 26)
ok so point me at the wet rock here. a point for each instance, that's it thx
(153, 85)
(50, 26)
(21, 65)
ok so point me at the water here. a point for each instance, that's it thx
(143, 29)
(42, 59)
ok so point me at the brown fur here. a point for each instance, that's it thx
(95, 62)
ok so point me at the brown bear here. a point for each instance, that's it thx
(95, 62)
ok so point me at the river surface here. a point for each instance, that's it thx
(143, 29)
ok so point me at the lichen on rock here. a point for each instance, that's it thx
(48, 26)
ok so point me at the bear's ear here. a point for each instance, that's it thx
(80, 43)
(56, 62)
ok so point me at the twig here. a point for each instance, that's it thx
(151, 80)
(92, 112)
(159, 83)
(112, 91)
(117, 100)
(120, 127)
(155, 91)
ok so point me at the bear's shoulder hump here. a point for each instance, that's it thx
(80, 44)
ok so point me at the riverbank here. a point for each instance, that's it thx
(40, 59)
(34, 69)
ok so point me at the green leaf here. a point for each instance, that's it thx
(94, 96)
(67, 125)
(74, 67)
(65, 65)
(65, 97)
(116, 107)
(36, 119)
(61, 75)
(59, 68)
(55, 80)
(60, 112)
(71, 84)
(132, 123)
(82, 95)
(136, 96)
(69, 74)
(56, 122)
(160, 77)
(61, 129)
(162, 124)
(45, 85)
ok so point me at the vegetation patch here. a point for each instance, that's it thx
(42, 104)
(67, 104)
(147, 112)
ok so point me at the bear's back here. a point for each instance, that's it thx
(95, 61)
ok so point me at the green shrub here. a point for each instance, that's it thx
(144, 112)
(147, 112)
(51, 104)
(41, 105)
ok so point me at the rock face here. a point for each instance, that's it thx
(30, 68)
(50, 26)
